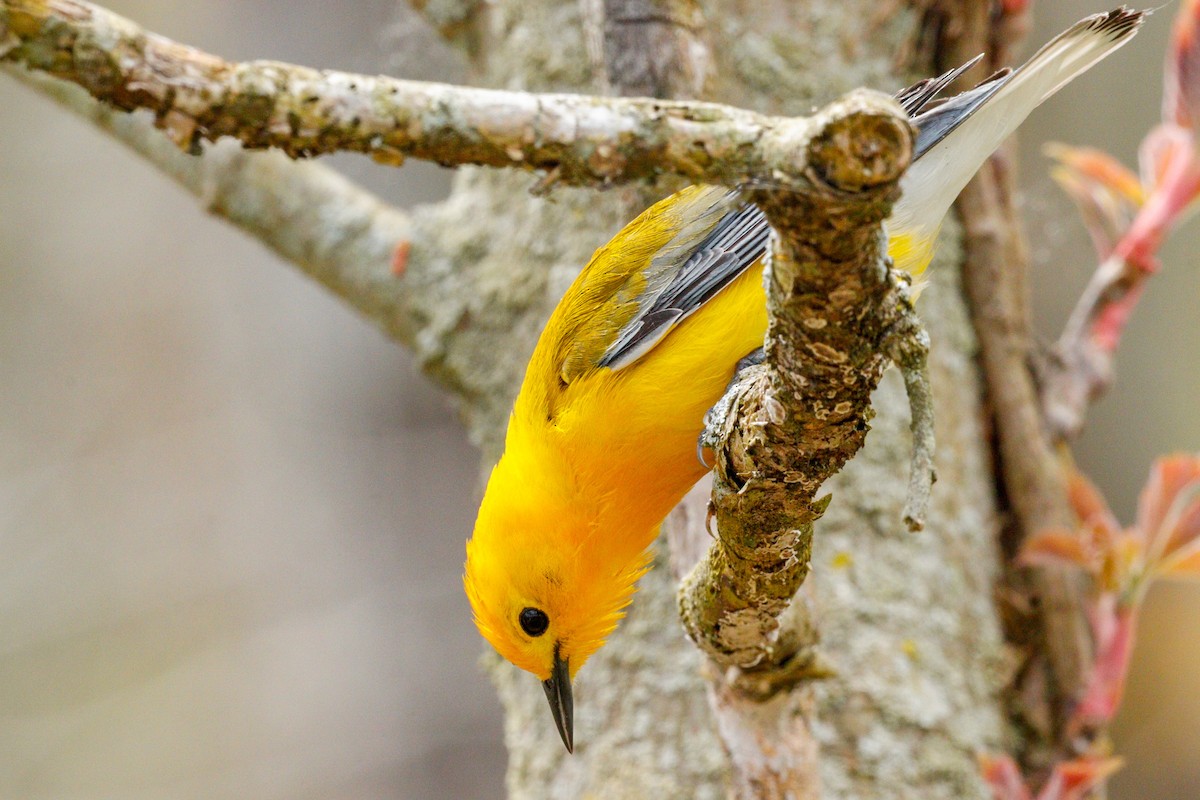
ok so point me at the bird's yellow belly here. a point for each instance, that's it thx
(635, 436)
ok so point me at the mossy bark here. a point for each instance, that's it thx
(906, 620)
(909, 651)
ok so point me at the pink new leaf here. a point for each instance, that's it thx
(1168, 518)
(1187, 530)
(1181, 556)
(1169, 476)
(1098, 545)
(1071, 780)
(1106, 192)
(1003, 777)
(1058, 546)
(1171, 173)
(1181, 89)
(1185, 565)
(1114, 627)
(1089, 504)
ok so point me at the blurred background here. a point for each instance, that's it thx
(232, 513)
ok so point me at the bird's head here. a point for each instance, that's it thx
(544, 590)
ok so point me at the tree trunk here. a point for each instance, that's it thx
(907, 623)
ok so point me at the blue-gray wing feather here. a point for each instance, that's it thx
(740, 237)
(915, 98)
(938, 121)
(736, 242)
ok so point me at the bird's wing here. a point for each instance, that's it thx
(654, 274)
(738, 240)
(914, 99)
(680, 253)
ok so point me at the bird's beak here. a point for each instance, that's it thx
(558, 692)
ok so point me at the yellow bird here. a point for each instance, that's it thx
(602, 439)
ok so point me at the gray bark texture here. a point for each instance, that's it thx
(906, 621)
(902, 689)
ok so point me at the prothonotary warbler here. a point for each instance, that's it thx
(602, 439)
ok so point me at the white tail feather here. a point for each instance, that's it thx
(933, 182)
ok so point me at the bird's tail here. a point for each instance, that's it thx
(957, 135)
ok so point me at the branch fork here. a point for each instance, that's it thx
(582, 140)
(837, 316)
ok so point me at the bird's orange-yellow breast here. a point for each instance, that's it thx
(595, 457)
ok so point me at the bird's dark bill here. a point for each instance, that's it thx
(558, 692)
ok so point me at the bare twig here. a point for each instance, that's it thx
(1033, 478)
(910, 352)
(793, 421)
(585, 140)
(1079, 367)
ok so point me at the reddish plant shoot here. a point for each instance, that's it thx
(1124, 562)
(1129, 217)
(1070, 780)
(1181, 95)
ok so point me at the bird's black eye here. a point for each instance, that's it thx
(533, 621)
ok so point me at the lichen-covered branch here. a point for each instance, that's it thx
(786, 426)
(899, 714)
(910, 352)
(792, 422)
(579, 140)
